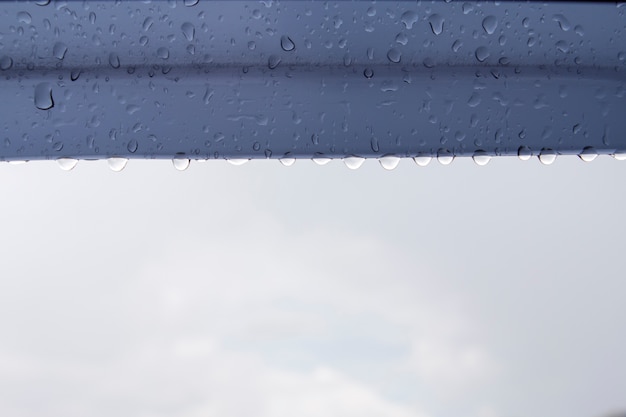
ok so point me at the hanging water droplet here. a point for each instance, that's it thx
(43, 96)
(524, 153)
(389, 162)
(490, 23)
(17, 162)
(353, 162)
(237, 161)
(321, 160)
(588, 154)
(163, 53)
(482, 53)
(132, 146)
(67, 164)
(547, 156)
(273, 61)
(445, 157)
(287, 44)
(620, 156)
(188, 30)
(436, 23)
(287, 161)
(409, 18)
(59, 50)
(114, 60)
(422, 160)
(394, 55)
(6, 62)
(181, 164)
(368, 73)
(481, 158)
(116, 163)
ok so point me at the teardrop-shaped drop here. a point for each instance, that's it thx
(67, 164)
(389, 162)
(524, 153)
(588, 154)
(237, 161)
(353, 162)
(481, 158)
(181, 164)
(288, 161)
(445, 157)
(422, 160)
(320, 160)
(547, 156)
(116, 163)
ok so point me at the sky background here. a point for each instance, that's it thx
(270, 291)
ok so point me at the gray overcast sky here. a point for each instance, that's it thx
(313, 290)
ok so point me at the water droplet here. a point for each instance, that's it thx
(6, 62)
(422, 160)
(59, 50)
(43, 96)
(92, 18)
(116, 163)
(114, 60)
(190, 3)
(74, 74)
(24, 17)
(564, 24)
(353, 162)
(374, 144)
(394, 55)
(481, 158)
(368, 73)
(588, 154)
(445, 157)
(188, 30)
(237, 161)
(524, 153)
(409, 18)
(321, 160)
(132, 146)
(389, 162)
(474, 100)
(490, 23)
(402, 39)
(287, 161)
(547, 156)
(67, 164)
(287, 44)
(482, 53)
(17, 162)
(163, 53)
(147, 23)
(436, 23)
(620, 156)
(181, 164)
(273, 61)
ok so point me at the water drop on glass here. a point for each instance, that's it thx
(92, 18)
(132, 146)
(24, 17)
(6, 62)
(59, 50)
(436, 23)
(422, 160)
(67, 164)
(114, 60)
(490, 23)
(287, 161)
(321, 160)
(163, 53)
(588, 154)
(287, 44)
(394, 55)
(188, 30)
(445, 157)
(389, 162)
(190, 3)
(181, 164)
(408, 18)
(524, 153)
(481, 158)
(116, 163)
(368, 73)
(43, 96)
(353, 162)
(482, 53)
(547, 156)
(273, 61)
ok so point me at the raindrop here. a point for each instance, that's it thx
(588, 154)
(190, 3)
(273, 61)
(408, 18)
(422, 160)
(237, 161)
(6, 62)
(445, 157)
(287, 161)
(524, 153)
(163, 53)
(59, 50)
(181, 164)
(562, 46)
(394, 55)
(389, 162)
(481, 158)
(287, 44)
(43, 96)
(132, 146)
(24, 17)
(75, 74)
(564, 24)
(547, 156)
(116, 163)
(374, 144)
(92, 18)
(188, 30)
(402, 39)
(474, 100)
(368, 73)
(490, 23)
(114, 60)
(67, 164)
(482, 53)
(436, 23)
(147, 23)
(353, 162)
